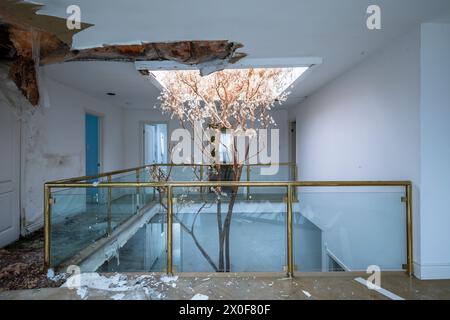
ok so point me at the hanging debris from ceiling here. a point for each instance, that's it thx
(23, 33)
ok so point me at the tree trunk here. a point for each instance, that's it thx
(219, 224)
(228, 219)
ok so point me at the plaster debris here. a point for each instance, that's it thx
(306, 293)
(82, 292)
(121, 284)
(95, 281)
(200, 296)
(153, 294)
(167, 279)
(55, 277)
(50, 273)
(118, 296)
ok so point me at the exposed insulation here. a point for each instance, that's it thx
(23, 73)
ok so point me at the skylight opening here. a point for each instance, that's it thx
(288, 76)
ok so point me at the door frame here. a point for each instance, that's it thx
(142, 139)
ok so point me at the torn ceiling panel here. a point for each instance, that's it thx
(188, 52)
(27, 37)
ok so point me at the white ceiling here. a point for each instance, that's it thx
(333, 30)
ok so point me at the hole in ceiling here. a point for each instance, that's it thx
(289, 76)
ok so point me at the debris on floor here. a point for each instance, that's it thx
(200, 296)
(307, 294)
(22, 265)
(124, 288)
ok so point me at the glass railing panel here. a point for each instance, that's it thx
(82, 216)
(145, 248)
(349, 228)
(125, 202)
(184, 173)
(265, 173)
(78, 219)
(281, 172)
(256, 229)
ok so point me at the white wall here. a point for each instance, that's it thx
(435, 152)
(53, 144)
(365, 124)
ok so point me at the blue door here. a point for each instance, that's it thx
(92, 151)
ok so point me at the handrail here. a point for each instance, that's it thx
(290, 185)
(230, 184)
(116, 172)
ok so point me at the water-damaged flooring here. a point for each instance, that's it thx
(237, 287)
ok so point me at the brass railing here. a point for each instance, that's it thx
(201, 167)
(169, 185)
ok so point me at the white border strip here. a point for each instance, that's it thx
(384, 292)
(242, 64)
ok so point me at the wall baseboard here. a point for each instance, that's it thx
(32, 228)
(432, 271)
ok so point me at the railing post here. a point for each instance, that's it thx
(201, 178)
(169, 231)
(138, 190)
(109, 206)
(290, 249)
(47, 226)
(295, 176)
(151, 179)
(409, 230)
(248, 180)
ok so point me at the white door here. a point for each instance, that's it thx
(155, 143)
(9, 175)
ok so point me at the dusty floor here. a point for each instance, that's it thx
(21, 268)
(21, 264)
(236, 287)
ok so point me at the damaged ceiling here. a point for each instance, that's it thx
(29, 40)
(333, 30)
